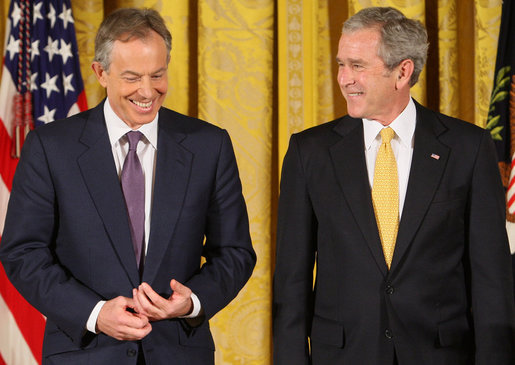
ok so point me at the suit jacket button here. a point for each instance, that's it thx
(389, 289)
(131, 352)
(388, 334)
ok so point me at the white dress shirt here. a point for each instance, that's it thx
(146, 151)
(402, 145)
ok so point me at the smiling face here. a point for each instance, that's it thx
(137, 80)
(371, 90)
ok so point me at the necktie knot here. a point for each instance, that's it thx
(387, 135)
(134, 138)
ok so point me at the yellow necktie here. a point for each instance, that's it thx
(385, 194)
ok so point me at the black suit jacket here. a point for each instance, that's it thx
(447, 298)
(66, 243)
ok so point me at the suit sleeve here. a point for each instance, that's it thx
(28, 244)
(295, 256)
(490, 262)
(230, 258)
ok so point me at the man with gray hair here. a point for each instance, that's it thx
(401, 212)
(113, 211)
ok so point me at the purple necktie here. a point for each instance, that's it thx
(133, 186)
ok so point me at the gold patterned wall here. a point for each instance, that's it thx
(235, 70)
(305, 79)
(264, 69)
(488, 21)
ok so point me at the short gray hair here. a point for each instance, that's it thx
(125, 24)
(401, 38)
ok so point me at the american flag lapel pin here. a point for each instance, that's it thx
(435, 156)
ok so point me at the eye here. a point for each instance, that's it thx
(357, 66)
(157, 77)
(131, 79)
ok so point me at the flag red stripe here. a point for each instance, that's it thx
(512, 181)
(82, 101)
(512, 199)
(30, 322)
(7, 163)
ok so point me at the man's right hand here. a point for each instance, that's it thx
(118, 319)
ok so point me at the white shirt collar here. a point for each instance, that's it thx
(403, 126)
(116, 128)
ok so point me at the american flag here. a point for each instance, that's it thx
(41, 82)
(501, 115)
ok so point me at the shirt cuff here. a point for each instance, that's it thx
(196, 307)
(91, 324)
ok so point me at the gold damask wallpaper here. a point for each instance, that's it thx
(264, 69)
(235, 78)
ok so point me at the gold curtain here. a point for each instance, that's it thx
(264, 69)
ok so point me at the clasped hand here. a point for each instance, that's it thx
(129, 318)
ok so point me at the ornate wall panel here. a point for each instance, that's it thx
(235, 91)
(88, 15)
(448, 57)
(488, 21)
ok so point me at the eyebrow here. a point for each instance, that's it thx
(133, 73)
(351, 60)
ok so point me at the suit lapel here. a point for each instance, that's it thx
(99, 173)
(348, 157)
(428, 164)
(172, 173)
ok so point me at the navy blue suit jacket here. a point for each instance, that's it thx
(66, 243)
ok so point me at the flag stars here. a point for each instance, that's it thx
(13, 47)
(66, 16)
(34, 81)
(37, 13)
(48, 115)
(54, 76)
(16, 14)
(51, 16)
(50, 84)
(65, 51)
(67, 83)
(34, 49)
(52, 48)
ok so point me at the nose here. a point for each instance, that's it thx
(145, 88)
(344, 76)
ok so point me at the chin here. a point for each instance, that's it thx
(354, 114)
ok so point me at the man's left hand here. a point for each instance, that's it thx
(155, 307)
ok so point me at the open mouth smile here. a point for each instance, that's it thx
(142, 105)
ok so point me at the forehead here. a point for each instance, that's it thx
(150, 40)
(363, 43)
(140, 51)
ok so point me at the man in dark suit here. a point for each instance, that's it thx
(105, 232)
(431, 284)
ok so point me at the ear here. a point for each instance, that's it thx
(404, 71)
(100, 73)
